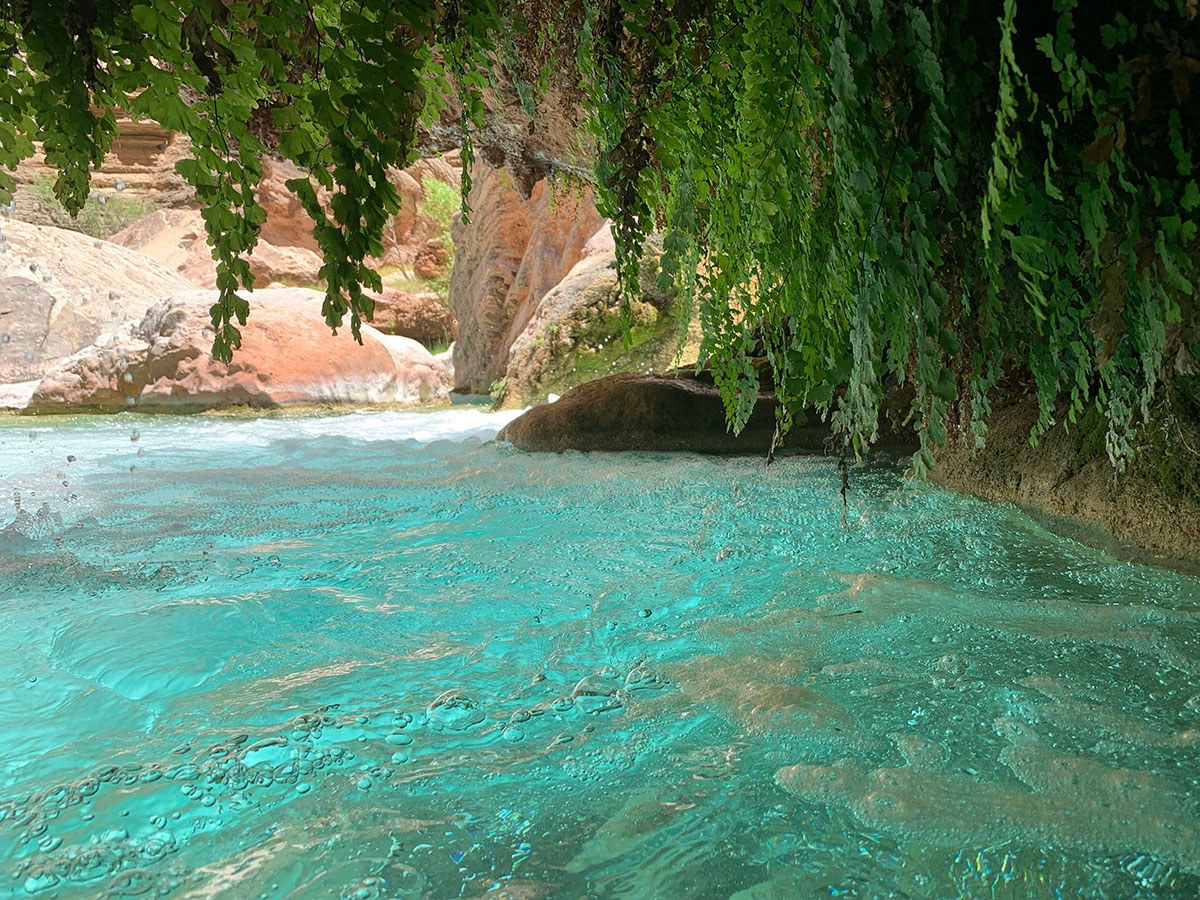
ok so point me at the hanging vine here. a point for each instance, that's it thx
(940, 200)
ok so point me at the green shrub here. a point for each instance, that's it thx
(102, 216)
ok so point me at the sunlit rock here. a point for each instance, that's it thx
(288, 357)
(61, 290)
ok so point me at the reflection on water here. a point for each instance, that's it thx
(371, 656)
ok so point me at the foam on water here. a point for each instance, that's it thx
(372, 655)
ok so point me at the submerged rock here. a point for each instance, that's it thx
(1067, 800)
(288, 357)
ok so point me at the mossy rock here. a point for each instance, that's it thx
(578, 332)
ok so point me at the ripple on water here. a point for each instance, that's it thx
(351, 656)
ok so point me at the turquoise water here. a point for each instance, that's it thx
(375, 656)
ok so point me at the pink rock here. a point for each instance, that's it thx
(288, 357)
(507, 258)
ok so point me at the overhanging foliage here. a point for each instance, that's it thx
(939, 194)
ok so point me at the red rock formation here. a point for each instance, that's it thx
(176, 239)
(288, 358)
(288, 225)
(287, 251)
(510, 254)
(422, 317)
(142, 160)
(431, 261)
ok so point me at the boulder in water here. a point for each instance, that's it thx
(642, 412)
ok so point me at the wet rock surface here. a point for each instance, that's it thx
(1151, 512)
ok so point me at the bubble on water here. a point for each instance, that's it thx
(641, 678)
(393, 881)
(401, 756)
(1149, 872)
(597, 693)
(273, 560)
(399, 739)
(453, 710)
(303, 787)
(135, 435)
(41, 881)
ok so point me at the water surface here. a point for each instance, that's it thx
(374, 655)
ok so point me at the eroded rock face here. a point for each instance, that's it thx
(577, 331)
(61, 290)
(285, 265)
(288, 357)
(288, 225)
(422, 317)
(507, 258)
(176, 239)
(286, 252)
(431, 260)
(141, 160)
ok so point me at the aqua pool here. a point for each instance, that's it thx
(373, 656)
